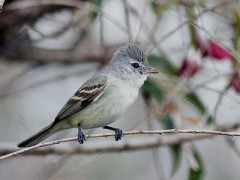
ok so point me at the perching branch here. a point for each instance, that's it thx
(126, 146)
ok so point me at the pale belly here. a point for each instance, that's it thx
(105, 110)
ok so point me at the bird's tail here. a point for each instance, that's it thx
(36, 138)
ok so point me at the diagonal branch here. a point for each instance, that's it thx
(127, 19)
(126, 146)
(23, 5)
(208, 9)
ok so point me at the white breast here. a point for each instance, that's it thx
(119, 96)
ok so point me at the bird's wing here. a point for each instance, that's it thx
(86, 95)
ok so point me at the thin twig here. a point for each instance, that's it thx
(195, 25)
(186, 22)
(153, 132)
(141, 22)
(86, 53)
(7, 91)
(218, 103)
(146, 29)
(70, 3)
(232, 144)
(127, 19)
(101, 29)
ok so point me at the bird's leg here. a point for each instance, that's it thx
(118, 132)
(81, 136)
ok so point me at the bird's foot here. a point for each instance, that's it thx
(118, 132)
(81, 136)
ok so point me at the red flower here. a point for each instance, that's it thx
(189, 68)
(218, 51)
(235, 82)
(213, 49)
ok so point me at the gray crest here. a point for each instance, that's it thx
(133, 51)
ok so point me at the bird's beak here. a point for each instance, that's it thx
(149, 70)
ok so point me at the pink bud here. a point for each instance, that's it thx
(235, 83)
(218, 51)
(189, 68)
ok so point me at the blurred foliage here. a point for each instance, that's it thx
(150, 88)
(196, 174)
(167, 121)
(96, 2)
(176, 152)
(236, 34)
(190, 13)
(153, 89)
(163, 64)
(94, 14)
(196, 102)
(160, 7)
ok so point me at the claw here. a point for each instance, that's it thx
(118, 132)
(81, 136)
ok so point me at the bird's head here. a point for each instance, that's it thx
(132, 63)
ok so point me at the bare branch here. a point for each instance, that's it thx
(141, 22)
(70, 3)
(221, 4)
(127, 19)
(218, 103)
(85, 53)
(7, 91)
(126, 146)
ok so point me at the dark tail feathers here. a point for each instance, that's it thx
(36, 138)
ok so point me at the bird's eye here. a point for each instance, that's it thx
(135, 65)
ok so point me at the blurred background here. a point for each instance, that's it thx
(48, 49)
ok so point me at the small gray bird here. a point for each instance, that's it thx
(103, 98)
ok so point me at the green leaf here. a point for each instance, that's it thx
(95, 13)
(190, 12)
(158, 8)
(177, 157)
(202, 3)
(176, 150)
(196, 102)
(168, 122)
(97, 2)
(196, 174)
(150, 88)
(163, 64)
(236, 36)
(210, 120)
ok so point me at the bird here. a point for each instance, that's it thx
(103, 98)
